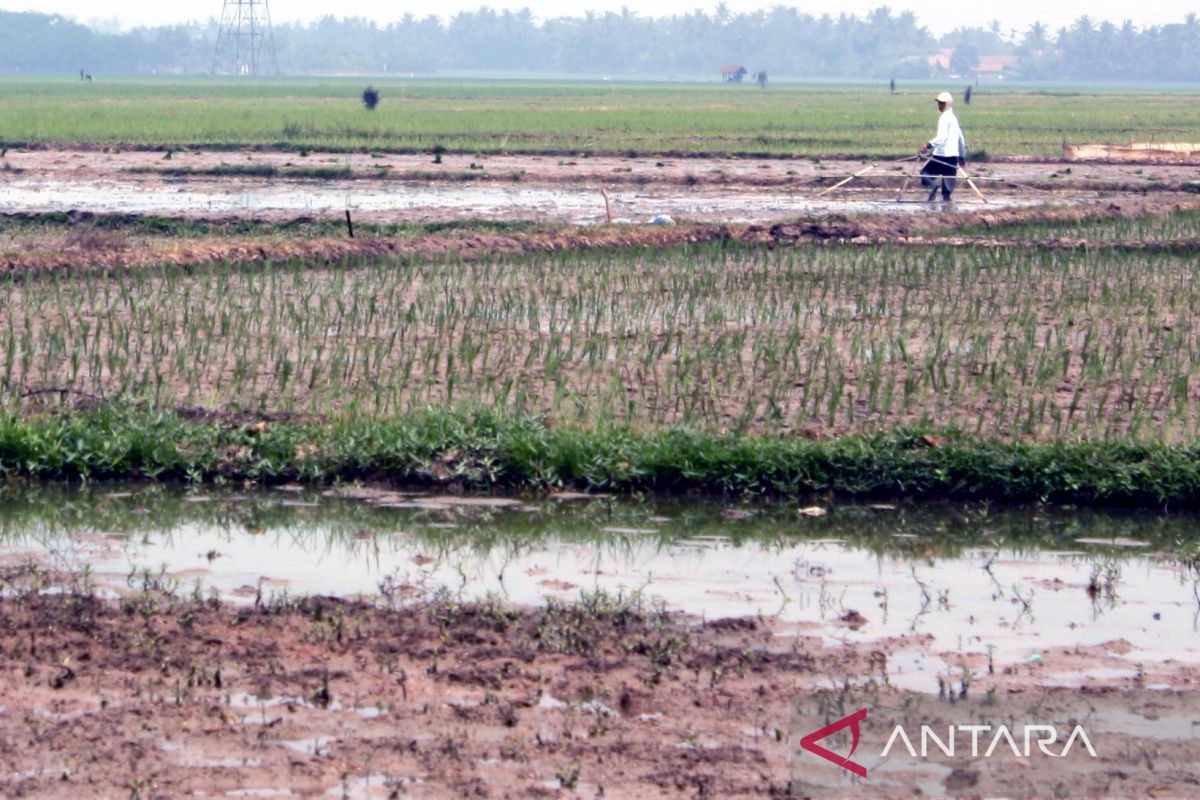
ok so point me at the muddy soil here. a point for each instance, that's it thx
(149, 695)
(814, 173)
(762, 201)
(545, 189)
(82, 243)
(211, 197)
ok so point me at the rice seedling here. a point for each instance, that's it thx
(1013, 342)
(1166, 228)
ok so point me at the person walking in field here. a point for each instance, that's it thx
(947, 151)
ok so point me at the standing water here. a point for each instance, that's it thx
(937, 580)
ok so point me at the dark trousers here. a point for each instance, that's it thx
(944, 167)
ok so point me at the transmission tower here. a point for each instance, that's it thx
(245, 43)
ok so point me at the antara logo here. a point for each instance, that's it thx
(1043, 736)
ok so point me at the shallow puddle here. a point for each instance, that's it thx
(427, 202)
(943, 579)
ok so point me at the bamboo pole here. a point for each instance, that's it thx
(843, 182)
(971, 183)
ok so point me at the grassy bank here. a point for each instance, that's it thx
(482, 450)
(573, 116)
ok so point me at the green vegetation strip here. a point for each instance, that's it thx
(574, 117)
(1173, 226)
(484, 450)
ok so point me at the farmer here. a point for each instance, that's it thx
(947, 151)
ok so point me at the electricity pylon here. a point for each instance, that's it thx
(245, 43)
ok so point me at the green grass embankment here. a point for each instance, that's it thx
(483, 451)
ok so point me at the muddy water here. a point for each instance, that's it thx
(438, 202)
(946, 579)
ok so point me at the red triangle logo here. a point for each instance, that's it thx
(809, 742)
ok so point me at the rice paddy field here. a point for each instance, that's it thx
(1010, 341)
(1067, 319)
(578, 116)
(1180, 228)
(565, 439)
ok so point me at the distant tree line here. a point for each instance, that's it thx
(784, 40)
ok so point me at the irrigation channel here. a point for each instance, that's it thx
(936, 580)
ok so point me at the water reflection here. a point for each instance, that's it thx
(1009, 583)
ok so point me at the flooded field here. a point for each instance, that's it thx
(1007, 585)
(438, 202)
(303, 641)
(281, 185)
(363, 642)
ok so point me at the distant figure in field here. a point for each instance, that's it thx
(967, 96)
(761, 77)
(892, 86)
(947, 151)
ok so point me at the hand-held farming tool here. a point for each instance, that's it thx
(971, 183)
(907, 178)
(957, 170)
(844, 181)
(861, 172)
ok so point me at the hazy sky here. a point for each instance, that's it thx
(939, 17)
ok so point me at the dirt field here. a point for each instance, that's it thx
(548, 190)
(153, 696)
(1008, 175)
(83, 245)
(759, 201)
(84, 240)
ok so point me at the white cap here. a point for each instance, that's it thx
(945, 97)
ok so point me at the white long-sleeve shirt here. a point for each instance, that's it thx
(949, 140)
